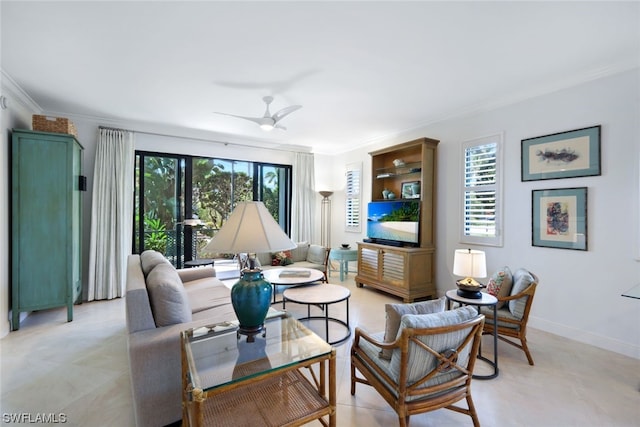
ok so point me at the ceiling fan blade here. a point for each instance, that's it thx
(279, 126)
(279, 115)
(252, 119)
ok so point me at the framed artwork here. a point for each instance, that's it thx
(562, 155)
(411, 190)
(559, 218)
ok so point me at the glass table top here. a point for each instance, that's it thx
(216, 356)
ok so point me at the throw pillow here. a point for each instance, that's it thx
(281, 258)
(420, 362)
(169, 301)
(500, 284)
(394, 313)
(522, 278)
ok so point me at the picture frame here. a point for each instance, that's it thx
(568, 154)
(410, 190)
(559, 218)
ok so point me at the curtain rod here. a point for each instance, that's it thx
(235, 144)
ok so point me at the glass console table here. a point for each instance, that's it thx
(280, 379)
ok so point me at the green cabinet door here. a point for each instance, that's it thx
(46, 222)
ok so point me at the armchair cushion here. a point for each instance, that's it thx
(394, 313)
(500, 284)
(169, 301)
(421, 361)
(522, 278)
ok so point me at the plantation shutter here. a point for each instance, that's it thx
(480, 200)
(352, 199)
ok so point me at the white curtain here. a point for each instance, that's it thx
(303, 203)
(111, 214)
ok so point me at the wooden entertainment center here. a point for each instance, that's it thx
(406, 272)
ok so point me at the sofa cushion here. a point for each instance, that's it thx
(394, 313)
(316, 254)
(521, 281)
(299, 253)
(204, 294)
(169, 301)
(420, 361)
(149, 259)
(500, 284)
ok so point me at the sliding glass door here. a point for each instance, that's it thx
(172, 188)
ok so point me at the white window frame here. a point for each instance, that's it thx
(496, 238)
(353, 201)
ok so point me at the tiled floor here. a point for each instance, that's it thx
(80, 370)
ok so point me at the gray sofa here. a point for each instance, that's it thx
(304, 255)
(160, 303)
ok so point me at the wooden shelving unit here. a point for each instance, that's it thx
(403, 271)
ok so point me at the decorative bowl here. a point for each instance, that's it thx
(345, 246)
(469, 287)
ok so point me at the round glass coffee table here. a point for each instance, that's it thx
(322, 295)
(292, 276)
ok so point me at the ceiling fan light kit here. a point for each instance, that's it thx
(268, 121)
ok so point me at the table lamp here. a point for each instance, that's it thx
(470, 264)
(250, 229)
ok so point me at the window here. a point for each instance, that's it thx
(481, 191)
(170, 188)
(352, 197)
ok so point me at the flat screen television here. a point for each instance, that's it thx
(394, 222)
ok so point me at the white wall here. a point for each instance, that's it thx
(579, 292)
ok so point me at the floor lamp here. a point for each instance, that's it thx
(325, 219)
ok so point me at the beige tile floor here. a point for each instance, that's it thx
(79, 369)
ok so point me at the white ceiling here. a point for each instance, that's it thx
(362, 70)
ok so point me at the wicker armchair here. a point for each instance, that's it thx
(514, 315)
(431, 366)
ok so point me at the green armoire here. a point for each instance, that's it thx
(46, 222)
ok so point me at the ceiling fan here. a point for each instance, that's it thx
(269, 121)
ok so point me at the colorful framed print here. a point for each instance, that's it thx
(559, 218)
(562, 155)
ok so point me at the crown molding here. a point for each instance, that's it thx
(15, 93)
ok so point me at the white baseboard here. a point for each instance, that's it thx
(579, 335)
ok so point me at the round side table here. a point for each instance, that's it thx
(198, 262)
(290, 277)
(322, 295)
(487, 300)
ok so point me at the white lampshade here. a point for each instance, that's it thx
(250, 229)
(469, 263)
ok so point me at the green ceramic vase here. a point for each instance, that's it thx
(251, 299)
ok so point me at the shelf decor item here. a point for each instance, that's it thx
(569, 154)
(559, 218)
(411, 190)
(250, 229)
